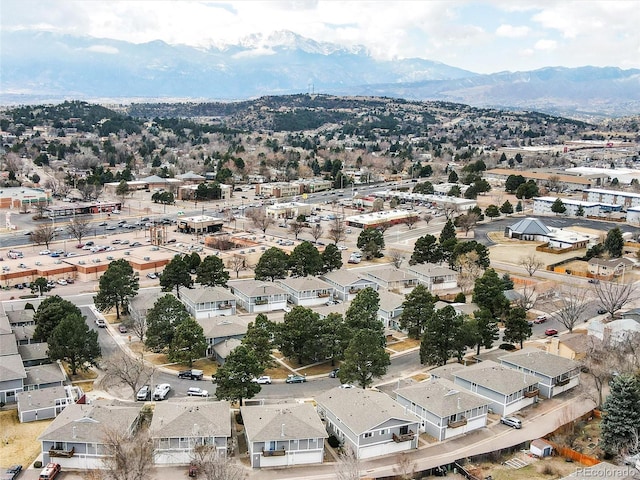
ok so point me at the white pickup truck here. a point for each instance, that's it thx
(161, 391)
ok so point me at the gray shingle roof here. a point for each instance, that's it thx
(498, 378)
(11, 368)
(441, 397)
(43, 397)
(446, 371)
(33, 351)
(303, 284)
(362, 410)
(256, 288)
(227, 326)
(285, 422)
(390, 301)
(41, 374)
(225, 348)
(86, 423)
(531, 226)
(207, 294)
(431, 270)
(20, 316)
(390, 274)
(5, 326)
(345, 277)
(540, 361)
(191, 419)
(8, 344)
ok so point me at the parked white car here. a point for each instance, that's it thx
(263, 380)
(197, 392)
(161, 391)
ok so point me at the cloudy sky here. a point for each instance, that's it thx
(484, 37)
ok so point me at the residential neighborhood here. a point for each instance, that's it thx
(282, 310)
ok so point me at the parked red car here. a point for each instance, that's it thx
(550, 332)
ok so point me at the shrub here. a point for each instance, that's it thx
(333, 441)
(460, 298)
(37, 464)
(548, 470)
(507, 346)
(239, 420)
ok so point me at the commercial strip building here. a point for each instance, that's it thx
(542, 179)
(288, 210)
(459, 204)
(542, 206)
(375, 219)
(614, 197)
(279, 189)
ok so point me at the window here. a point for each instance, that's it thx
(368, 435)
(384, 431)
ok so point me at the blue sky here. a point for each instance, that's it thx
(484, 37)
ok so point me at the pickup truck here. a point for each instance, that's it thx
(161, 391)
(192, 374)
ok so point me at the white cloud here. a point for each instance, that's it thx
(256, 52)
(545, 44)
(103, 49)
(479, 35)
(510, 31)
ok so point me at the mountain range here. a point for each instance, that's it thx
(43, 66)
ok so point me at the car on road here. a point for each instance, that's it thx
(511, 422)
(296, 379)
(144, 393)
(100, 322)
(197, 392)
(110, 227)
(12, 472)
(540, 319)
(601, 311)
(342, 247)
(353, 259)
(550, 332)
(334, 373)
(62, 282)
(136, 244)
(44, 252)
(122, 328)
(346, 385)
(192, 374)
(161, 391)
(594, 280)
(103, 224)
(263, 380)
(152, 276)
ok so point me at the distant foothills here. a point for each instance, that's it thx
(40, 67)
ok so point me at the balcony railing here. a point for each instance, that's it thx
(261, 302)
(224, 306)
(403, 437)
(274, 453)
(532, 393)
(354, 290)
(323, 295)
(563, 382)
(56, 452)
(458, 423)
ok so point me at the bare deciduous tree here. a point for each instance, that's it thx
(427, 217)
(137, 323)
(528, 297)
(348, 466)
(128, 456)
(384, 226)
(214, 465)
(571, 306)
(316, 232)
(598, 364)
(405, 468)
(396, 256)
(613, 295)
(470, 270)
(411, 220)
(468, 221)
(337, 231)
(236, 264)
(260, 219)
(296, 228)
(78, 228)
(43, 235)
(531, 263)
(122, 368)
(449, 210)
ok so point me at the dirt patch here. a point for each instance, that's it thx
(549, 468)
(420, 377)
(19, 440)
(407, 344)
(319, 369)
